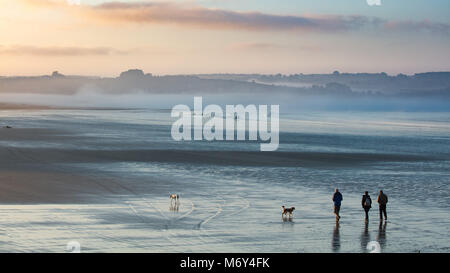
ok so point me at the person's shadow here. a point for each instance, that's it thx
(381, 236)
(365, 237)
(336, 241)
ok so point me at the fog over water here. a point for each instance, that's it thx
(335, 92)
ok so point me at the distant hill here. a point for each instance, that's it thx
(360, 82)
(335, 90)
(135, 80)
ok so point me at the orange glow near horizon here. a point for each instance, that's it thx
(40, 36)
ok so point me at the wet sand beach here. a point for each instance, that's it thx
(111, 194)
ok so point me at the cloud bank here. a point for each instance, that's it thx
(57, 51)
(192, 15)
(426, 25)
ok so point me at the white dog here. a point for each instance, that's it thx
(174, 197)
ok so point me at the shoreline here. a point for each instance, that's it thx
(20, 106)
(36, 174)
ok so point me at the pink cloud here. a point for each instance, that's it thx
(57, 51)
(191, 15)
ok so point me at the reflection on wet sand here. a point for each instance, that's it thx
(365, 237)
(287, 219)
(381, 236)
(336, 241)
(174, 207)
(288, 224)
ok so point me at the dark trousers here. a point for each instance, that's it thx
(383, 211)
(366, 210)
(337, 209)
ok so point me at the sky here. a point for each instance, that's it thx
(104, 38)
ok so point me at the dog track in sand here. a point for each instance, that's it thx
(206, 220)
(243, 208)
(168, 233)
(220, 210)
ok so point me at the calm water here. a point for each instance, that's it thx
(237, 208)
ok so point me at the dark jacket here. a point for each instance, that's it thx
(363, 201)
(382, 199)
(337, 198)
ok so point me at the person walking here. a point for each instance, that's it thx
(382, 201)
(337, 199)
(366, 203)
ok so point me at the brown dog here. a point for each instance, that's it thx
(286, 211)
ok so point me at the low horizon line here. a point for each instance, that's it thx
(226, 73)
